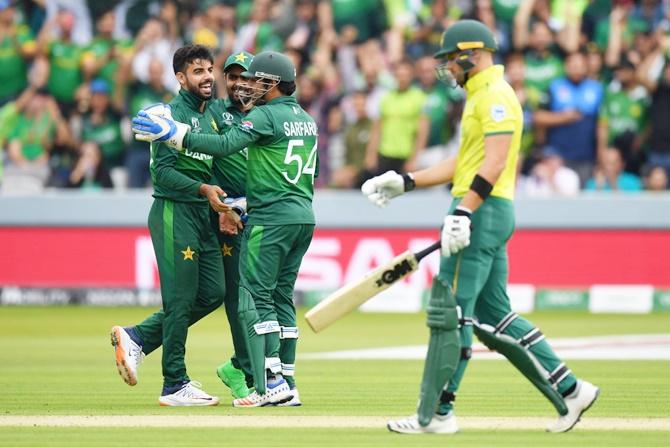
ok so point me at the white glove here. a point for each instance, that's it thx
(455, 232)
(159, 109)
(150, 127)
(379, 190)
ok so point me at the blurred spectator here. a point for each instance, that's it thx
(258, 33)
(656, 179)
(356, 135)
(442, 110)
(528, 97)
(101, 59)
(36, 130)
(65, 60)
(365, 19)
(89, 171)
(401, 131)
(654, 73)
(304, 36)
(424, 39)
(610, 176)
(101, 125)
(620, 22)
(549, 177)
(17, 48)
(154, 42)
(139, 95)
(81, 32)
(623, 116)
(571, 115)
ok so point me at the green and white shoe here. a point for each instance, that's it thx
(234, 379)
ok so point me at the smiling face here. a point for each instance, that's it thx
(198, 78)
(234, 81)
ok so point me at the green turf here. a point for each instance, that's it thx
(57, 360)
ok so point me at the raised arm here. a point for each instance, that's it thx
(229, 143)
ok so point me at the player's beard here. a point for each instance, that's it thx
(197, 90)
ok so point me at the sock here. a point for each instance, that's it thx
(570, 390)
(134, 336)
(174, 388)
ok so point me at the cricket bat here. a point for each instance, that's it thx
(351, 296)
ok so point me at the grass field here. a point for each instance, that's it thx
(57, 361)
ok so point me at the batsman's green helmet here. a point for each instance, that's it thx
(271, 65)
(466, 35)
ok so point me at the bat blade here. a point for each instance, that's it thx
(351, 296)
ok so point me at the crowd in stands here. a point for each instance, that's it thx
(592, 75)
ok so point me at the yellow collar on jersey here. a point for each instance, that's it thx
(484, 77)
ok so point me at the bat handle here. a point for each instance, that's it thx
(428, 250)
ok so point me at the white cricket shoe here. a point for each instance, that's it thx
(277, 392)
(293, 400)
(190, 395)
(578, 402)
(129, 355)
(443, 424)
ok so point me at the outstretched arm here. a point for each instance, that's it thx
(229, 143)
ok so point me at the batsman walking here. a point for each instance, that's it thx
(469, 293)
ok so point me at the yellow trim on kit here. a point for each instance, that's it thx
(454, 285)
(469, 45)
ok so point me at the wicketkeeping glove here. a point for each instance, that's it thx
(151, 127)
(455, 232)
(239, 205)
(382, 188)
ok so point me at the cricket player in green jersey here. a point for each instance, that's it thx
(230, 174)
(280, 138)
(189, 260)
(469, 293)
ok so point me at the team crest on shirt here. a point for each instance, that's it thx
(195, 124)
(228, 118)
(498, 112)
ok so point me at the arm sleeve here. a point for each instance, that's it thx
(167, 176)
(254, 127)
(496, 114)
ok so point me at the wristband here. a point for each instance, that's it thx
(462, 211)
(408, 180)
(481, 186)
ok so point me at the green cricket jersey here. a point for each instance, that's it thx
(280, 138)
(65, 74)
(178, 175)
(14, 73)
(229, 172)
(100, 48)
(624, 111)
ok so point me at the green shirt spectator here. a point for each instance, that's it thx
(102, 54)
(400, 113)
(366, 17)
(102, 125)
(13, 76)
(65, 77)
(624, 110)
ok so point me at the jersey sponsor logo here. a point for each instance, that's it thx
(246, 125)
(498, 112)
(299, 128)
(197, 155)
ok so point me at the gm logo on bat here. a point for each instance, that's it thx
(393, 274)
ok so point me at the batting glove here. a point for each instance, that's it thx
(149, 127)
(382, 188)
(455, 232)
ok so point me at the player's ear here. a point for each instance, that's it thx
(181, 77)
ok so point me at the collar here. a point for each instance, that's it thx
(484, 78)
(192, 101)
(281, 99)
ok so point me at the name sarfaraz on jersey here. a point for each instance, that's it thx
(393, 274)
(299, 128)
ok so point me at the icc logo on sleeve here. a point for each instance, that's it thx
(498, 113)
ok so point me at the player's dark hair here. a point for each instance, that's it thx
(189, 53)
(287, 88)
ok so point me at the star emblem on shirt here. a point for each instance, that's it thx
(188, 253)
(241, 57)
(227, 250)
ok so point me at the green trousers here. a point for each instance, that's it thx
(479, 277)
(269, 264)
(190, 266)
(230, 250)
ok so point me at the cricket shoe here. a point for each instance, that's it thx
(129, 355)
(444, 424)
(581, 399)
(234, 379)
(189, 395)
(293, 400)
(277, 392)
